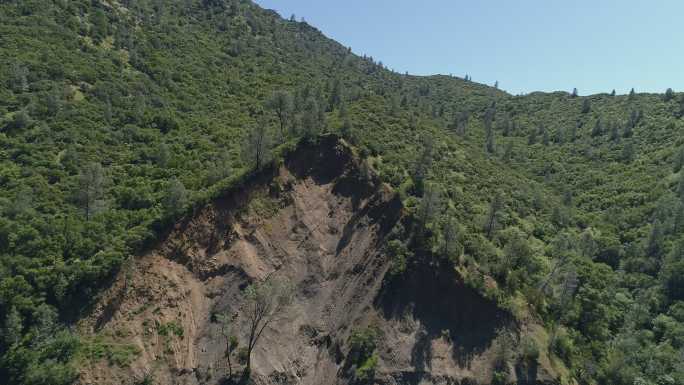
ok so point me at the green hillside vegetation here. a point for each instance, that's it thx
(116, 118)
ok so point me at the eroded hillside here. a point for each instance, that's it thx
(116, 117)
(320, 220)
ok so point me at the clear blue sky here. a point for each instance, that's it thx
(527, 45)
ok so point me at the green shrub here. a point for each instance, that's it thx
(399, 255)
(362, 343)
(366, 371)
(499, 378)
(118, 354)
(563, 346)
(146, 379)
(170, 328)
(243, 355)
(529, 350)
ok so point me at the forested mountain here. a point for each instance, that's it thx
(119, 118)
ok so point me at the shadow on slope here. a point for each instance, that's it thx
(444, 307)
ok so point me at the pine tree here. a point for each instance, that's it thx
(678, 160)
(505, 126)
(100, 25)
(347, 131)
(545, 135)
(320, 117)
(587, 244)
(567, 198)
(162, 157)
(490, 144)
(574, 93)
(311, 119)
(598, 128)
(680, 187)
(11, 331)
(45, 322)
(22, 204)
(490, 112)
(395, 106)
(463, 123)
(586, 106)
(107, 112)
(654, 245)
(19, 121)
(257, 146)
(558, 216)
(342, 111)
(221, 168)
(560, 135)
(631, 123)
(455, 122)
(635, 117)
(335, 94)
(429, 206)
(678, 224)
(680, 111)
(532, 137)
(628, 152)
(489, 131)
(615, 132)
(90, 192)
(632, 94)
(669, 95)
(491, 220)
(537, 200)
(508, 151)
(19, 78)
(569, 285)
(404, 101)
(176, 197)
(451, 249)
(282, 104)
(423, 164)
(573, 131)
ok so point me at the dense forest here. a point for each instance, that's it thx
(117, 118)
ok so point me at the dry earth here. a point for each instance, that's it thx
(319, 220)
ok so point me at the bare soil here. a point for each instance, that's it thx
(320, 220)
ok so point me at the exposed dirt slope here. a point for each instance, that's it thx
(320, 220)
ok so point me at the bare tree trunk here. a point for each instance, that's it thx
(230, 365)
(281, 118)
(490, 225)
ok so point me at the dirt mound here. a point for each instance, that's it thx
(320, 219)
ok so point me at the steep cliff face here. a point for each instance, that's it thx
(320, 220)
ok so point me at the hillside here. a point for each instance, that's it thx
(320, 222)
(121, 121)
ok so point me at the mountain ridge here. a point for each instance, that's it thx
(115, 122)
